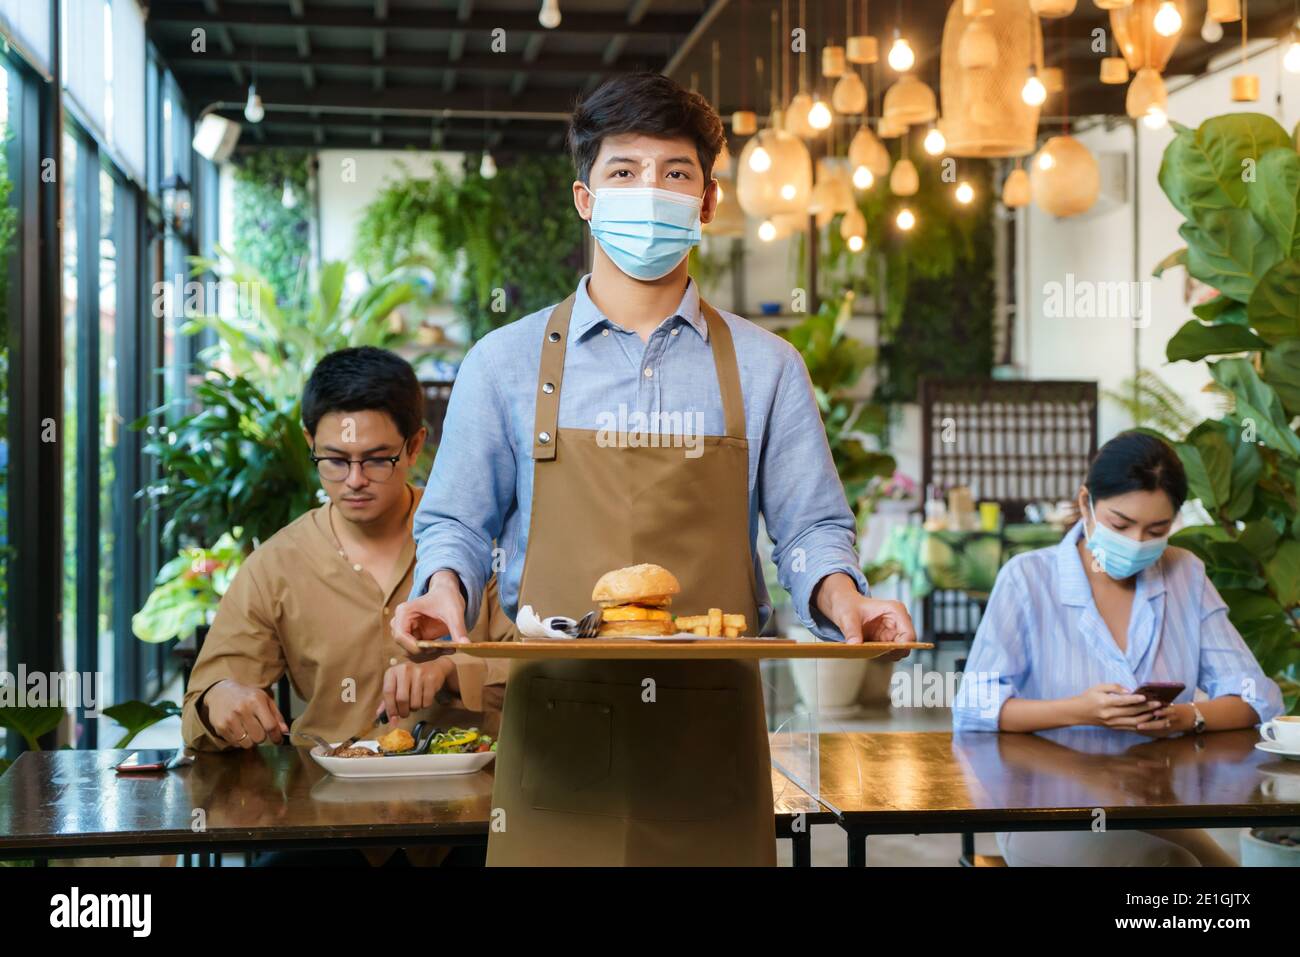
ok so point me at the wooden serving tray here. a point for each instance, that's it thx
(708, 648)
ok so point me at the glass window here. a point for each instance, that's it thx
(8, 239)
(71, 342)
(108, 419)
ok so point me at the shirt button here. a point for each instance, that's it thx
(356, 568)
(604, 332)
(649, 373)
(392, 661)
(676, 329)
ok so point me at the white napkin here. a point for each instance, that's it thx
(531, 626)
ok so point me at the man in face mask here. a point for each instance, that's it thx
(635, 424)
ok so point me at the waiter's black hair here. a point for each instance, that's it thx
(1137, 462)
(647, 103)
(360, 379)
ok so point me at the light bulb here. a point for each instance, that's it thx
(819, 116)
(1046, 160)
(1155, 118)
(905, 219)
(1168, 20)
(863, 178)
(856, 243)
(1033, 92)
(549, 16)
(253, 109)
(767, 231)
(901, 56)
(487, 168)
(1211, 30)
(760, 161)
(788, 192)
(1291, 59)
(934, 142)
(965, 193)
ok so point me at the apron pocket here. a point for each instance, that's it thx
(597, 748)
(568, 746)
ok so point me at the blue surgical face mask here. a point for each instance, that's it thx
(646, 231)
(1118, 555)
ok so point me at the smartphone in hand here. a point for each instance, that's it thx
(1163, 691)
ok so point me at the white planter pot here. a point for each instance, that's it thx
(1258, 852)
(826, 686)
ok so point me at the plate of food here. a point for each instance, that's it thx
(634, 602)
(401, 753)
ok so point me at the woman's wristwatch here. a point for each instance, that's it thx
(1198, 722)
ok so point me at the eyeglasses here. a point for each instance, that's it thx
(336, 469)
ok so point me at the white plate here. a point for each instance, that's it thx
(398, 766)
(1272, 747)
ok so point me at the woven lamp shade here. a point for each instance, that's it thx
(784, 187)
(1065, 178)
(1051, 9)
(863, 49)
(744, 122)
(978, 49)
(909, 101)
(904, 181)
(1114, 70)
(1016, 191)
(1146, 92)
(1135, 33)
(1111, 4)
(1245, 88)
(850, 94)
(728, 218)
(796, 116)
(865, 149)
(984, 115)
(832, 61)
(890, 129)
(1225, 11)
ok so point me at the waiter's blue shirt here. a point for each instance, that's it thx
(1043, 638)
(480, 493)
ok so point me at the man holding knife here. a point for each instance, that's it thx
(636, 762)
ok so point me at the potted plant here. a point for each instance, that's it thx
(855, 428)
(1236, 181)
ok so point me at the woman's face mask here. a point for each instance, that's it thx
(1118, 555)
(644, 230)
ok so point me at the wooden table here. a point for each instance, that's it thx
(60, 804)
(941, 783)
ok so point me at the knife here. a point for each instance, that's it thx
(382, 719)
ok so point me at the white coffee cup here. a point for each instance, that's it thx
(1284, 730)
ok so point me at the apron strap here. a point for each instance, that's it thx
(550, 372)
(724, 361)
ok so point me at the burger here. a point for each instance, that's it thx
(634, 601)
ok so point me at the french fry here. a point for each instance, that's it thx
(715, 622)
(731, 632)
(734, 621)
(691, 622)
(703, 632)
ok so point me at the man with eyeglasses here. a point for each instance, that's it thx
(317, 598)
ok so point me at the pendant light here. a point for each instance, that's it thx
(905, 219)
(1211, 30)
(1114, 70)
(1146, 92)
(849, 97)
(1167, 21)
(728, 217)
(1064, 178)
(254, 111)
(1033, 92)
(866, 150)
(901, 57)
(964, 193)
(863, 178)
(1137, 37)
(744, 123)
(1053, 78)
(819, 115)
(1052, 9)
(1245, 86)
(1111, 4)
(904, 180)
(935, 142)
(1224, 11)
(549, 15)
(832, 61)
(888, 129)
(1016, 191)
(979, 47)
(910, 101)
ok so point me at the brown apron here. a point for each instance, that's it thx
(635, 762)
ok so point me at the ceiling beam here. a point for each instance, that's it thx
(420, 101)
(410, 21)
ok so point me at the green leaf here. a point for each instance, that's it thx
(1274, 197)
(1203, 171)
(1282, 372)
(1211, 441)
(1260, 538)
(1229, 250)
(1283, 573)
(31, 723)
(1257, 404)
(135, 716)
(1195, 340)
(1246, 469)
(1176, 258)
(1274, 306)
(1221, 309)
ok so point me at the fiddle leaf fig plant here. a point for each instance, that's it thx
(1236, 180)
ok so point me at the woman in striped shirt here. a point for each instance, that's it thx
(1071, 631)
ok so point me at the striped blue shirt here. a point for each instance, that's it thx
(1042, 637)
(481, 489)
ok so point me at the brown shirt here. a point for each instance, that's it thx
(297, 605)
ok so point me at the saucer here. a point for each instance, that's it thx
(1273, 747)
